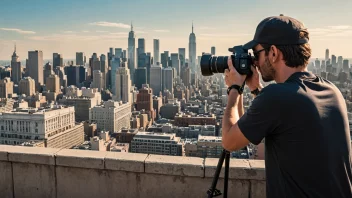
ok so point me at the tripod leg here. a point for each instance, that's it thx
(226, 179)
(217, 173)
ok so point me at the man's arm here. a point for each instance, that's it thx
(232, 137)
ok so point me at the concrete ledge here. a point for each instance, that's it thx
(6, 187)
(132, 162)
(80, 158)
(34, 155)
(4, 151)
(257, 171)
(238, 168)
(174, 165)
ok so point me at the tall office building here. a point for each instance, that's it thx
(145, 99)
(145, 62)
(48, 70)
(97, 80)
(6, 87)
(192, 51)
(182, 56)
(155, 79)
(110, 55)
(339, 62)
(80, 58)
(317, 63)
(16, 69)
(104, 70)
(141, 77)
(168, 79)
(327, 55)
(186, 76)
(213, 50)
(35, 67)
(131, 53)
(54, 127)
(164, 60)
(27, 86)
(57, 60)
(123, 85)
(346, 65)
(118, 53)
(176, 63)
(156, 51)
(53, 83)
(111, 116)
(333, 60)
(115, 64)
(76, 74)
(141, 46)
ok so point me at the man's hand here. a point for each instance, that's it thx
(232, 77)
(253, 81)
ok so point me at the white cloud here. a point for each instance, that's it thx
(68, 32)
(119, 33)
(100, 31)
(332, 31)
(75, 37)
(18, 30)
(161, 30)
(109, 24)
(85, 31)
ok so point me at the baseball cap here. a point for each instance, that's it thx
(278, 30)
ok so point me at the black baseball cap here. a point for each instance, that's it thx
(278, 30)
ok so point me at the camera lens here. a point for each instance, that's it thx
(213, 64)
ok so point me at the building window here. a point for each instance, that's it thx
(36, 130)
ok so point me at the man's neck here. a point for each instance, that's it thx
(285, 72)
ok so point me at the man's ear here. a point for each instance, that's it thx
(275, 53)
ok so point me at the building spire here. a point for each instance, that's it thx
(15, 46)
(192, 26)
(131, 26)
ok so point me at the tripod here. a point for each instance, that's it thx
(213, 192)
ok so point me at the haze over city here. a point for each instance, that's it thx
(93, 26)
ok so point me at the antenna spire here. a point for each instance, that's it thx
(131, 26)
(192, 26)
(15, 46)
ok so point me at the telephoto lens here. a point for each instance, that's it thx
(210, 64)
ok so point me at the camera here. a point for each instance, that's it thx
(241, 60)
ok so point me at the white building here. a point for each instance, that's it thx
(98, 80)
(156, 53)
(55, 127)
(111, 116)
(123, 85)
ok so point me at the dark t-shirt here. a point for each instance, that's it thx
(307, 137)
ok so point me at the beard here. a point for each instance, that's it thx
(267, 71)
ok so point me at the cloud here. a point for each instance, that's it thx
(161, 30)
(100, 31)
(18, 30)
(119, 33)
(109, 24)
(331, 31)
(85, 31)
(68, 32)
(140, 32)
(224, 35)
(75, 37)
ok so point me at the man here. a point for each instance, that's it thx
(302, 117)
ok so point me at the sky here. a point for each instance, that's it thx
(70, 26)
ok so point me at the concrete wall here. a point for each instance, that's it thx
(60, 173)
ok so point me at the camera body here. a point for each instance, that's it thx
(241, 60)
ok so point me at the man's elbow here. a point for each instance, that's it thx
(229, 146)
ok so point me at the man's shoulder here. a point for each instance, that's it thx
(280, 88)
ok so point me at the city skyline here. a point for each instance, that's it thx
(74, 31)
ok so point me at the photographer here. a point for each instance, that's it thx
(302, 117)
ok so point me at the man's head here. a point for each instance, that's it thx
(279, 42)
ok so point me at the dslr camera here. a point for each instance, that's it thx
(241, 60)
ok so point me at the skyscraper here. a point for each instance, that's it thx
(104, 70)
(131, 53)
(326, 54)
(16, 69)
(339, 62)
(118, 52)
(167, 79)
(97, 80)
(176, 63)
(156, 51)
(141, 46)
(79, 58)
(123, 85)
(155, 79)
(27, 86)
(192, 51)
(346, 65)
(141, 77)
(333, 60)
(57, 60)
(48, 70)
(213, 50)
(182, 56)
(35, 67)
(115, 64)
